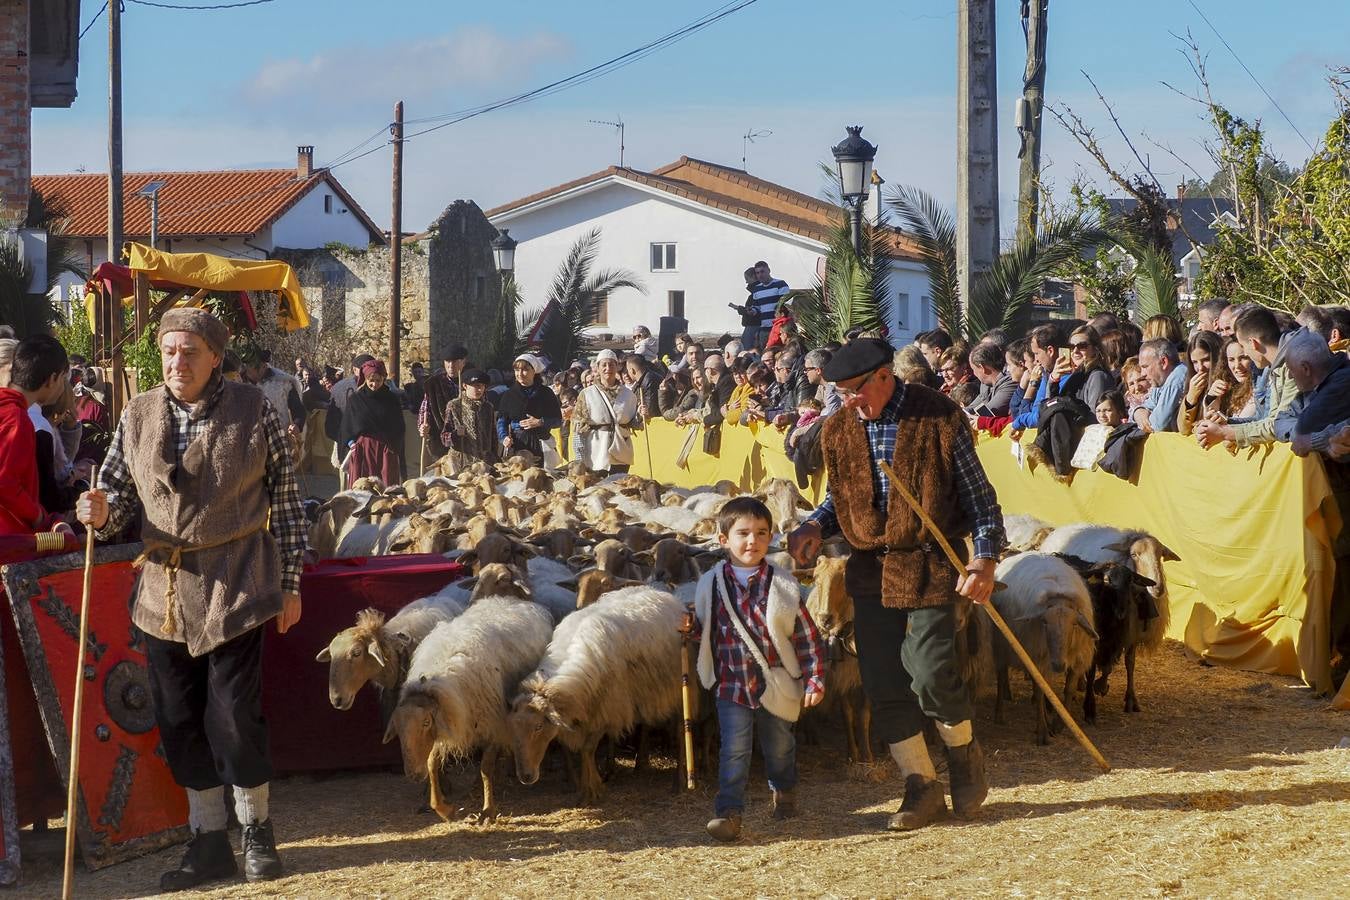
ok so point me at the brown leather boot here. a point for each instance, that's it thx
(925, 802)
(965, 769)
(784, 805)
(726, 828)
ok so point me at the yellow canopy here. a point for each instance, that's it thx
(217, 273)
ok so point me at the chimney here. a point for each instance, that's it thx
(1181, 191)
(304, 161)
(872, 205)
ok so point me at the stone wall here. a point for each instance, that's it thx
(15, 121)
(465, 291)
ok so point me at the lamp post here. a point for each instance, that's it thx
(854, 156)
(151, 193)
(504, 253)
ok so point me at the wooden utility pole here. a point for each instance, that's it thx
(1029, 118)
(976, 145)
(396, 245)
(115, 199)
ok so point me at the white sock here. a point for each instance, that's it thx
(911, 755)
(957, 735)
(250, 804)
(206, 809)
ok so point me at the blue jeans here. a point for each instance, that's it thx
(776, 743)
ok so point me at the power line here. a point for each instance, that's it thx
(1253, 77)
(93, 20)
(212, 6)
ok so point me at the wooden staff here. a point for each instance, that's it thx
(999, 622)
(687, 694)
(73, 786)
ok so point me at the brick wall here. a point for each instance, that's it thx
(15, 115)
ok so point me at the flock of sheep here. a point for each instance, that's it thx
(568, 630)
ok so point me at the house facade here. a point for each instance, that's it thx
(689, 230)
(247, 213)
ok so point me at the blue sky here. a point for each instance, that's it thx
(241, 88)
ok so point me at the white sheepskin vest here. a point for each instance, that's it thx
(605, 448)
(785, 601)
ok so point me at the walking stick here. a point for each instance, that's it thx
(73, 787)
(687, 694)
(1000, 623)
(423, 470)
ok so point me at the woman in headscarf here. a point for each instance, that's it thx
(528, 412)
(604, 417)
(373, 428)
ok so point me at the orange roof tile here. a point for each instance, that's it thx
(218, 203)
(730, 190)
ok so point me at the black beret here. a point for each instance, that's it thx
(858, 357)
(457, 352)
(475, 376)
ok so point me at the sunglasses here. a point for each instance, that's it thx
(1079, 345)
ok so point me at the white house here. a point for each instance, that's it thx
(689, 230)
(244, 213)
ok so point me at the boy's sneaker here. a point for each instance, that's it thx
(726, 828)
(784, 805)
(925, 802)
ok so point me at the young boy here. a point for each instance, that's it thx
(470, 422)
(768, 603)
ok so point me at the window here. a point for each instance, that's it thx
(663, 257)
(601, 308)
(327, 203)
(675, 303)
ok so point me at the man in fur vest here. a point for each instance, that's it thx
(224, 532)
(905, 593)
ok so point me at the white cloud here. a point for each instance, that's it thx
(434, 68)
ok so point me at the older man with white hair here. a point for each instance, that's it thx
(1322, 405)
(1165, 370)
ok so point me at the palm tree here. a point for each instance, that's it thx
(34, 313)
(575, 298)
(1001, 297)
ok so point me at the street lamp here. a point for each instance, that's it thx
(504, 252)
(151, 193)
(854, 156)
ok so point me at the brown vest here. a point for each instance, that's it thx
(217, 495)
(913, 576)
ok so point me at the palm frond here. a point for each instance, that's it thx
(1155, 284)
(577, 294)
(933, 230)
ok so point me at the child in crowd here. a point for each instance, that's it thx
(808, 412)
(756, 635)
(1111, 409)
(471, 422)
(1136, 383)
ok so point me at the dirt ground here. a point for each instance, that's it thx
(1227, 784)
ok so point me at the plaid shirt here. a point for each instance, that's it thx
(738, 677)
(976, 495)
(287, 520)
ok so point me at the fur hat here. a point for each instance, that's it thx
(198, 322)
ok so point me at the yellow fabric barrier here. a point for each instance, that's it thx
(217, 273)
(1254, 531)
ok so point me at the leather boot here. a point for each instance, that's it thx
(209, 857)
(925, 802)
(965, 768)
(727, 827)
(261, 862)
(784, 805)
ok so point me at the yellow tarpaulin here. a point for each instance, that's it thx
(217, 273)
(1254, 532)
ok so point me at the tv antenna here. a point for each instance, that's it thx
(749, 138)
(616, 125)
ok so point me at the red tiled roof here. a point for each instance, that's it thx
(232, 202)
(730, 190)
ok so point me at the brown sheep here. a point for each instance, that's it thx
(592, 584)
(832, 607)
(784, 501)
(499, 580)
(675, 562)
(498, 547)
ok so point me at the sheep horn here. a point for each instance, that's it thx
(324, 656)
(1087, 626)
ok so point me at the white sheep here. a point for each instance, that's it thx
(1025, 532)
(609, 667)
(1049, 609)
(461, 679)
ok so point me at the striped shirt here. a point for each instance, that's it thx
(764, 299)
(978, 501)
(287, 519)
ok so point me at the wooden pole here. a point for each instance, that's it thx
(1035, 13)
(73, 784)
(976, 145)
(999, 622)
(114, 133)
(396, 245)
(687, 694)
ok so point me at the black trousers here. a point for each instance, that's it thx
(209, 711)
(907, 657)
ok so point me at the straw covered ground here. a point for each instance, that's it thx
(1227, 784)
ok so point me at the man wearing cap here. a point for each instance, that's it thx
(904, 590)
(471, 422)
(206, 459)
(438, 390)
(604, 417)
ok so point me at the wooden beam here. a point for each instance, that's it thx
(167, 303)
(141, 286)
(119, 397)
